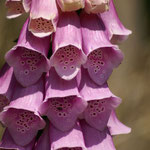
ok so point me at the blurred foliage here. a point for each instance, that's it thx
(130, 81)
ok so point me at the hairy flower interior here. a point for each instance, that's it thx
(67, 59)
(15, 7)
(40, 25)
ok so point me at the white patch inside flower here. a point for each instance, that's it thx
(41, 25)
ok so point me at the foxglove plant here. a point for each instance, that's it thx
(53, 91)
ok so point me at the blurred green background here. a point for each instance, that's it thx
(131, 81)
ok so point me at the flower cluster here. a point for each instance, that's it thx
(53, 88)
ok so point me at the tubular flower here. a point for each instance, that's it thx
(71, 5)
(67, 52)
(21, 117)
(53, 91)
(62, 102)
(28, 57)
(100, 100)
(96, 6)
(115, 30)
(14, 8)
(43, 17)
(102, 56)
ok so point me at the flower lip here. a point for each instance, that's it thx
(28, 64)
(15, 8)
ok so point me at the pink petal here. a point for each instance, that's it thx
(100, 102)
(68, 55)
(115, 30)
(63, 102)
(43, 17)
(14, 8)
(7, 82)
(102, 56)
(69, 140)
(96, 140)
(116, 127)
(21, 117)
(28, 57)
(7, 143)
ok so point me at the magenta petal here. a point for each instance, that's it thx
(43, 17)
(96, 140)
(116, 127)
(28, 57)
(43, 142)
(102, 56)
(63, 102)
(21, 117)
(27, 5)
(7, 83)
(7, 143)
(68, 55)
(114, 28)
(72, 139)
(100, 101)
(14, 8)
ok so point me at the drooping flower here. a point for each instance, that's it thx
(29, 57)
(67, 46)
(96, 6)
(115, 30)
(7, 82)
(70, 5)
(100, 101)
(7, 143)
(43, 17)
(14, 8)
(68, 140)
(102, 56)
(21, 117)
(115, 126)
(62, 102)
(95, 139)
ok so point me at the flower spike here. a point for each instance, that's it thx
(102, 56)
(67, 46)
(29, 57)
